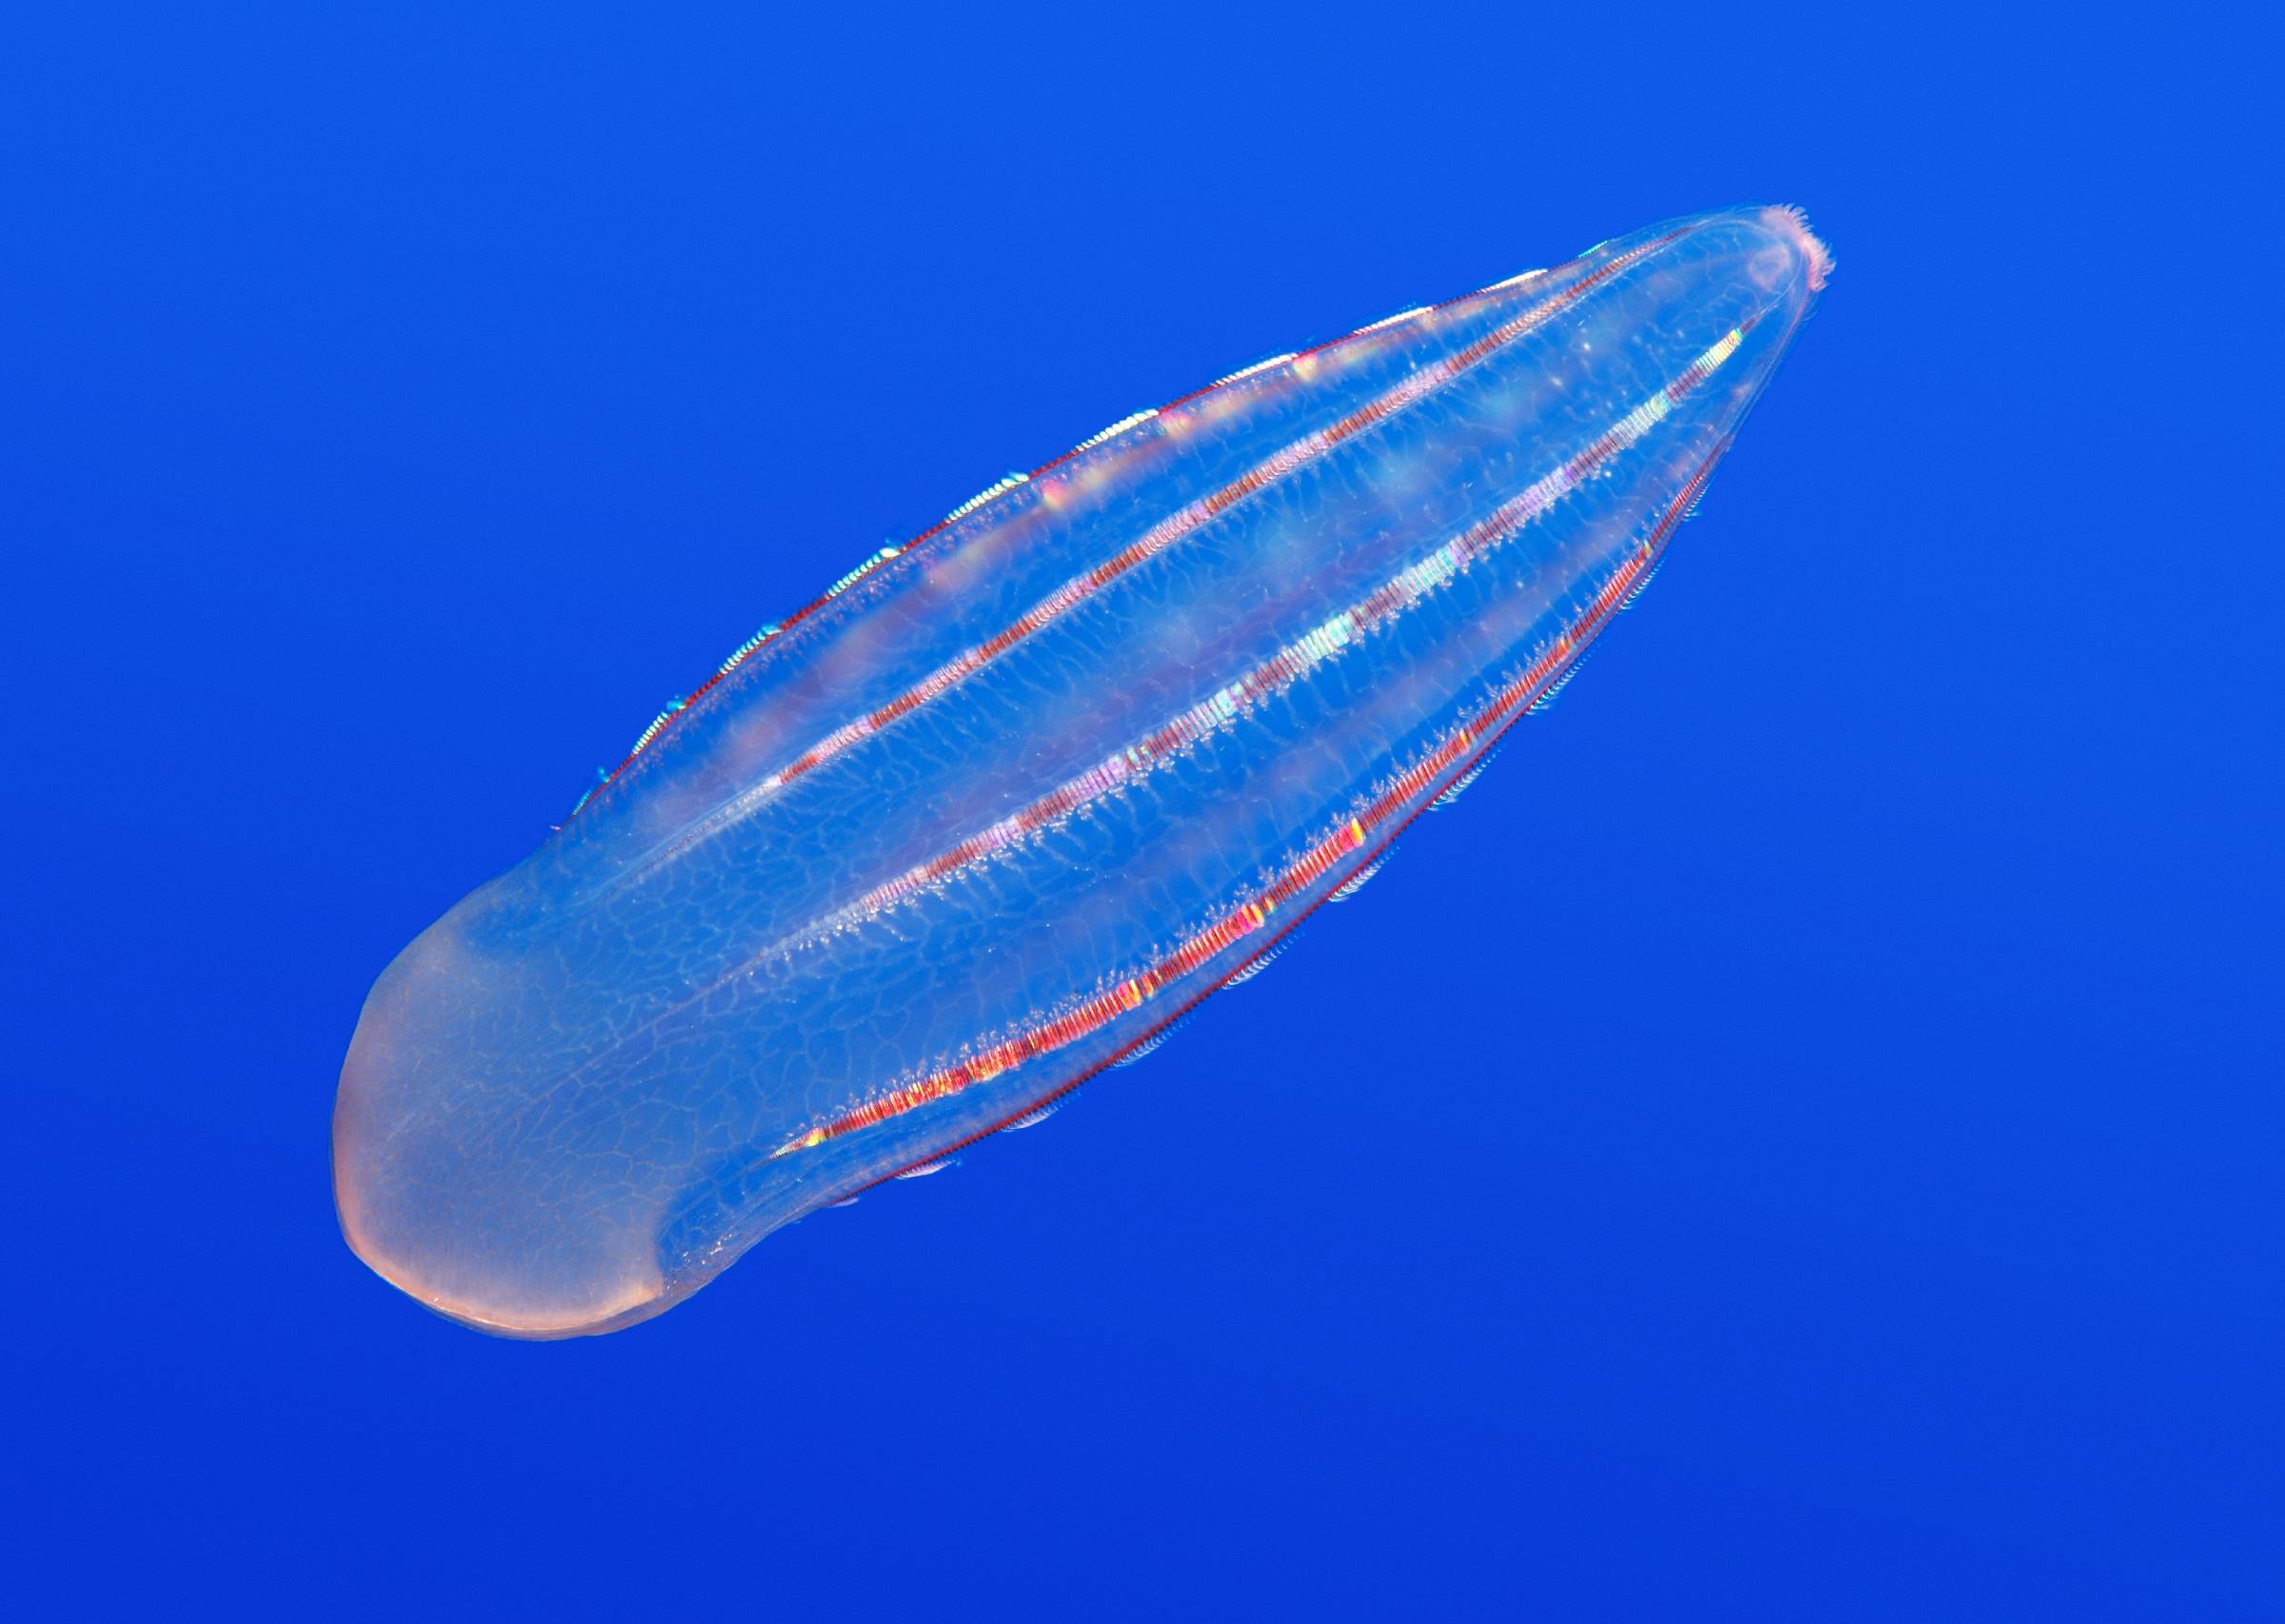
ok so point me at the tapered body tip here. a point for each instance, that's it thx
(1792, 225)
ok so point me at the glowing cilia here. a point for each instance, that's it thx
(1009, 800)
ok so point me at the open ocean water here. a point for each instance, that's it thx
(1802, 1141)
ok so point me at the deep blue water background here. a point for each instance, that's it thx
(1802, 1141)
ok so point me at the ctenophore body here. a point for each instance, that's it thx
(1010, 799)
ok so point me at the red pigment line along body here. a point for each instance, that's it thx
(1343, 630)
(1400, 801)
(1168, 530)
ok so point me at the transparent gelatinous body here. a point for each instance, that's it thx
(1014, 798)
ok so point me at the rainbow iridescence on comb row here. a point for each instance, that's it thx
(1008, 800)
